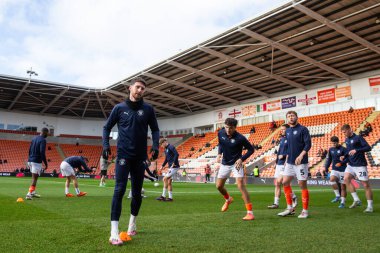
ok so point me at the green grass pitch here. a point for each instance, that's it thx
(192, 223)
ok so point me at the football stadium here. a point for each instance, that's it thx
(263, 138)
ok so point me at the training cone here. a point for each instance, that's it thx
(20, 200)
(124, 236)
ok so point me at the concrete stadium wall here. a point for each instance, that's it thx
(60, 125)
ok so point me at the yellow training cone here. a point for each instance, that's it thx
(20, 200)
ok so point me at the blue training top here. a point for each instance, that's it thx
(361, 146)
(77, 162)
(282, 150)
(298, 140)
(333, 156)
(37, 150)
(232, 147)
(132, 125)
(171, 156)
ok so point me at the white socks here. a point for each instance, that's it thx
(370, 203)
(355, 196)
(77, 191)
(132, 223)
(164, 192)
(276, 200)
(114, 229)
(170, 194)
(343, 200)
(337, 194)
(66, 190)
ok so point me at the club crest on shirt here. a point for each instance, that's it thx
(338, 151)
(140, 112)
(286, 141)
(332, 151)
(352, 141)
(295, 132)
(122, 161)
(232, 140)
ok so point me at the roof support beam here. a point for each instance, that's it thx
(101, 105)
(164, 94)
(293, 52)
(337, 27)
(122, 100)
(253, 68)
(189, 87)
(26, 85)
(217, 78)
(85, 108)
(54, 100)
(73, 102)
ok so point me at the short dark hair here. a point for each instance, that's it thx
(85, 158)
(334, 139)
(140, 80)
(292, 112)
(231, 122)
(44, 130)
(285, 125)
(345, 127)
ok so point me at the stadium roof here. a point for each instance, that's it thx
(288, 49)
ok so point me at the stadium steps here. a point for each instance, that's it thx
(317, 165)
(60, 151)
(371, 118)
(270, 137)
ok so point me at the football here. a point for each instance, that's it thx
(156, 184)
(124, 236)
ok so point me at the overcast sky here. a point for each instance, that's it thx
(96, 43)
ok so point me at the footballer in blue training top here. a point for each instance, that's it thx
(297, 164)
(132, 118)
(337, 171)
(231, 144)
(357, 146)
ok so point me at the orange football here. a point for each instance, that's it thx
(124, 236)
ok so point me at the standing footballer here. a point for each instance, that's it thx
(231, 145)
(36, 157)
(132, 118)
(297, 164)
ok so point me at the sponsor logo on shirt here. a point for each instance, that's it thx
(140, 112)
(126, 113)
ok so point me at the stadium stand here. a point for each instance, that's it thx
(199, 150)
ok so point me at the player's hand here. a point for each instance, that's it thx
(352, 152)
(338, 165)
(106, 153)
(280, 157)
(299, 160)
(154, 153)
(238, 164)
(341, 158)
